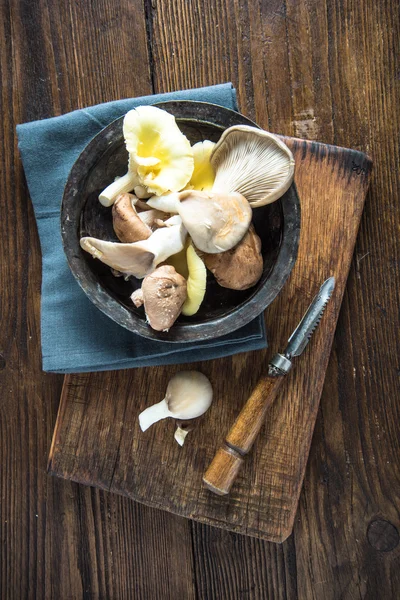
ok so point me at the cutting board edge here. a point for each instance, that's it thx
(198, 518)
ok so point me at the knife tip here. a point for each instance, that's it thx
(329, 285)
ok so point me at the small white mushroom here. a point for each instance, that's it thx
(189, 394)
(254, 163)
(140, 258)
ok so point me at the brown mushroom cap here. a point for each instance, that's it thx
(126, 222)
(164, 292)
(239, 268)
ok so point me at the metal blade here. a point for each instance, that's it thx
(304, 330)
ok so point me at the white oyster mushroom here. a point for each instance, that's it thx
(253, 162)
(140, 258)
(216, 222)
(168, 203)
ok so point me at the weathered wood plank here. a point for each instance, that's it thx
(60, 540)
(327, 71)
(353, 473)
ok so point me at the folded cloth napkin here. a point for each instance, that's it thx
(77, 337)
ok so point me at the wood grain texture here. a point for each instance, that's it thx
(59, 540)
(246, 428)
(328, 71)
(223, 470)
(316, 69)
(98, 440)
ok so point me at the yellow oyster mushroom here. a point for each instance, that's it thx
(203, 173)
(179, 261)
(196, 283)
(160, 152)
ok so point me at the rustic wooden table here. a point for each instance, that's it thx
(319, 69)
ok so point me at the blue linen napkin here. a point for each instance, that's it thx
(77, 337)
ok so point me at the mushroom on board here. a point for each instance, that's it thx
(239, 268)
(252, 162)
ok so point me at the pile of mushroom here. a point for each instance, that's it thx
(191, 211)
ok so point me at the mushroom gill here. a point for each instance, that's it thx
(254, 163)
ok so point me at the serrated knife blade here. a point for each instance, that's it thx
(304, 330)
(282, 363)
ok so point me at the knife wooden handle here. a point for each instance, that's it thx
(222, 472)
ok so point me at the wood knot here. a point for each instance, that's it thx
(382, 535)
(2, 362)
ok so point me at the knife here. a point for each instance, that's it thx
(222, 472)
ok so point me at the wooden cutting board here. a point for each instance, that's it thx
(97, 440)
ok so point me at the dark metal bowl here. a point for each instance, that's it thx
(223, 310)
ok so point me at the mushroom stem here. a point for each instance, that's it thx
(153, 414)
(140, 258)
(168, 203)
(141, 192)
(180, 435)
(137, 298)
(123, 184)
(139, 204)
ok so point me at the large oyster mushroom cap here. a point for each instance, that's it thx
(216, 222)
(254, 163)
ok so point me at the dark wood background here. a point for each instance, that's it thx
(320, 69)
